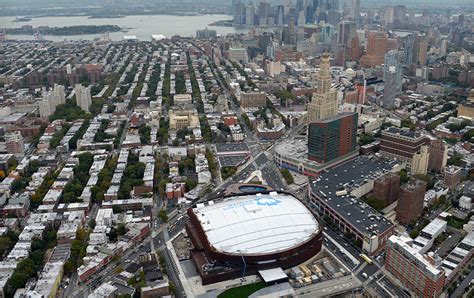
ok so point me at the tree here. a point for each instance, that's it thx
(5, 245)
(375, 203)
(407, 123)
(121, 229)
(162, 215)
(190, 184)
(227, 172)
(403, 176)
(113, 235)
(414, 233)
(69, 267)
(287, 175)
(456, 159)
(92, 224)
(366, 138)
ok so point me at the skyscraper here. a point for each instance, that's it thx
(299, 5)
(333, 137)
(264, 41)
(409, 46)
(263, 12)
(389, 16)
(376, 47)
(301, 19)
(83, 97)
(352, 9)
(239, 13)
(333, 4)
(324, 101)
(400, 13)
(392, 76)
(250, 15)
(419, 50)
(280, 15)
(346, 30)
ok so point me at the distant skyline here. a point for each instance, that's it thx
(101, 2)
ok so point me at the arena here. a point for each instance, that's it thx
(249, 232)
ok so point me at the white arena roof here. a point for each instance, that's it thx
(257, 223)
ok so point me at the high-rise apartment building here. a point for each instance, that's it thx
(410, 201)
(389, 16)
(438, 156)
(387, 188)
(355, 50)
(51, 99)
(83, 97)
(333, 137)
(420, 50)
(415, 271)
(392, 76)
(419, 164)
(14, 142)
(375, 51)
(324, 101)
(401, 144)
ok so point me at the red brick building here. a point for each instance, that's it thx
(376, 49)
(410, 201)
(415, 271)
(438, 156)
(331, 138)
(401, 144)
(452, 176)
(387, 188)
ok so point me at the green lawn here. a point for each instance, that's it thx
(242, 291)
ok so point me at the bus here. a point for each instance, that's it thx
(366, 258)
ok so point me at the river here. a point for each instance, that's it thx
(142, 26)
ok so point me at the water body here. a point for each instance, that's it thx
(143, 26)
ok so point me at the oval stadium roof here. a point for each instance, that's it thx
(257, 224)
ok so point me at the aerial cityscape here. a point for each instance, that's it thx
(236, 148)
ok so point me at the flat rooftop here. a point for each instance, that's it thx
(231, 147)
(403, 132)
(435, 226)
(298, 148)
(257, 223)
(349, 176)
(401, 244)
